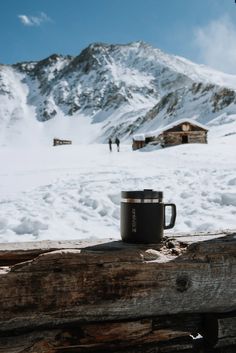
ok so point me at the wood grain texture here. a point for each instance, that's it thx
(107, 336)
(114, 296)
(107, 283)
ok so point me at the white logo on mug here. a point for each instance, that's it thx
(134, 221)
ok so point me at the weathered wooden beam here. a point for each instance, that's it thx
(118, 297)
(13, 253)
(107, 283)
(147, 334)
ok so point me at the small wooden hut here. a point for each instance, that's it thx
(57, 142)
(179, 132)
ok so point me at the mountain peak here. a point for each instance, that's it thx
(117, 88)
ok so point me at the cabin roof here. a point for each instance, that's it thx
(139, 137)
(157, 132)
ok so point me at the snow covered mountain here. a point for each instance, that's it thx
(108, 90)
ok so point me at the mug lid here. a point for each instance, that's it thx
(144, 194)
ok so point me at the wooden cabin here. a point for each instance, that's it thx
(57, 142)
(139, 141)
(177, 133)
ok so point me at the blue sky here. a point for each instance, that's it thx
(200, 30)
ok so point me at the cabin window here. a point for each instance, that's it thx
(184, 139)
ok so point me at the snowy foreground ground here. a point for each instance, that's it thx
(73, 192)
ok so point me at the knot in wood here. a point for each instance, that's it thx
(183, 283)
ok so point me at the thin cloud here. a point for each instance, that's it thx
(34, 20)
(216, 43)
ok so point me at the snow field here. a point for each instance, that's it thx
(73, 192)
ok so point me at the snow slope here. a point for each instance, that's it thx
(73, 192)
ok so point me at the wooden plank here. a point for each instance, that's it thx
(117, 281)
(13, 253)
(109, 336)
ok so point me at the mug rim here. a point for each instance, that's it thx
(147, 194)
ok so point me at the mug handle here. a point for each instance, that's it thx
(173, 215)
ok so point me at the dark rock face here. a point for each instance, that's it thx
(223, 98)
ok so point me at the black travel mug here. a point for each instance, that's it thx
(143, 216)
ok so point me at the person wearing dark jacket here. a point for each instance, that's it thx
(117, 141)
(110, 144)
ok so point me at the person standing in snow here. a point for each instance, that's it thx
(110, 144)
(117, 141)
